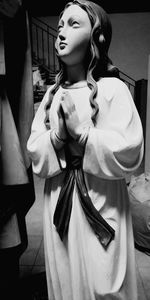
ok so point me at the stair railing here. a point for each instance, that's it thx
(43, 38)
(130, 82)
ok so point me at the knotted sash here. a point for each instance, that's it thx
(104, 232)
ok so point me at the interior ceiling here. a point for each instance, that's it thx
(54, 7)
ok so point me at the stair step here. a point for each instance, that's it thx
(42, 80)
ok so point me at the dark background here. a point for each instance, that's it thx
(54, 7)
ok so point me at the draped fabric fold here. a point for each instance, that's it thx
(17, 112)
(104, 232)
(64, 205)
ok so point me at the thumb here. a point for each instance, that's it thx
(59, 112)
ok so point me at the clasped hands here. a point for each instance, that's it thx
(69, 125)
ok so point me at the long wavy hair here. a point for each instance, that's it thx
(98, 63)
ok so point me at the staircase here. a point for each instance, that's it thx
(42, 79)
(44, 59)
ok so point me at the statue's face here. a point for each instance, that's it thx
(74, 31)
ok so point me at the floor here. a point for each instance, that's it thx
(32, 261)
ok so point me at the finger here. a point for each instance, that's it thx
(64, 95)
(63, 102)
(68, 105)
(59, 111)
(67, 98)
(64, 110)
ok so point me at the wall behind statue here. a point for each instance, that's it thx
(130, 44)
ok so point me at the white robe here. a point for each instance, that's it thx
(80, 268)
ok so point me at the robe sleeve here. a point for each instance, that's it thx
(114, 149)
(46, 162)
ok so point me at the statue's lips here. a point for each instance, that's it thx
(62, 45)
